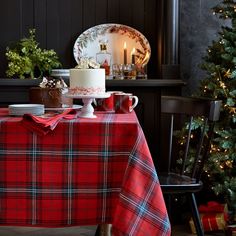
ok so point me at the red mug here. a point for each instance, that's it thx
(125, 102)
(106, 104)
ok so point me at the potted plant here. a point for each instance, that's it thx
(27, 60)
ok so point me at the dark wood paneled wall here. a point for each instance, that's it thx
(59, 22)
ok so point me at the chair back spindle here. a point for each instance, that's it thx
(196, 165)
(187, 145)
(170, 143)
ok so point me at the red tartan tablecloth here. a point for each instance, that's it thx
(86, 172)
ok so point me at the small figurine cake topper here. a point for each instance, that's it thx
(51, 82)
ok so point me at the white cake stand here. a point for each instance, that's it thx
(87, 111)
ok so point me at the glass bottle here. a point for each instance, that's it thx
(103, 57)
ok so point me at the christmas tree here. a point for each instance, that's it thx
(220, 82)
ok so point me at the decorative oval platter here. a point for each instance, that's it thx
(116, 35)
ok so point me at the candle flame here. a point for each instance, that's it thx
(133, 51)
(124, 45)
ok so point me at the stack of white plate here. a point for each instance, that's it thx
(65, 73)
(21, 109)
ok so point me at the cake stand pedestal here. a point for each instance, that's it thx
(87, 111)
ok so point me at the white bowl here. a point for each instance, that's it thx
(61, 73)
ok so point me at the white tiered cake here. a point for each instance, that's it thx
(87, 81)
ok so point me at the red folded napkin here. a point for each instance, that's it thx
(43, 125)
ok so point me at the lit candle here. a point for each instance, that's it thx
(125, 53)
(133, 56)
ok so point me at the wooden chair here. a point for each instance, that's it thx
(173, 182)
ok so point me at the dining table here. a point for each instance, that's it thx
(82, 172)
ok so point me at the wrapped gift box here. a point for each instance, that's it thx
(210, 222)
(213, 217)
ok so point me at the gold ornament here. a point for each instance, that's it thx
(227, 73)
(229, 164)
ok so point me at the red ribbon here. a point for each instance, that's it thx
(212, 207)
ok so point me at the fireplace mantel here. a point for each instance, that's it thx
(16, 90)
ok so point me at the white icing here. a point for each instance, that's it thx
(87, 81)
